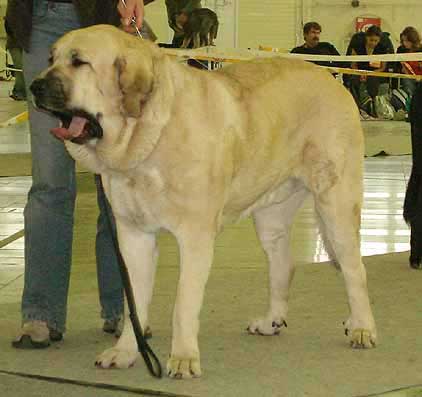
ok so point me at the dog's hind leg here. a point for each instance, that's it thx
(186, 41)
(196, 40)
(273, 228)
(338, 201)
(140, 255)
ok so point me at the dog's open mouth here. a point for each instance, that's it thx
(77, 126)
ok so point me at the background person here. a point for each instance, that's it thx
(410, 42)
(365, 89)
(313, 46)
(18, 92)
(49, 210)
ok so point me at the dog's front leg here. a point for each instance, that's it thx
(196, 255)
(140, 255)
(85, 156)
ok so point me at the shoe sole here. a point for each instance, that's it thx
(25, 342)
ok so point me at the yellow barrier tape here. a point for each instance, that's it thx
(360, 72)
(15, 120)
(236, 54)
(207, 56)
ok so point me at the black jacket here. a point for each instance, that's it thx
(323, 48)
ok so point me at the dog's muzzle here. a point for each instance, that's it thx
(77, 125)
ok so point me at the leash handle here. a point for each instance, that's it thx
(151, 360)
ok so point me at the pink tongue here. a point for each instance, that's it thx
(77, 126)
(75, 129)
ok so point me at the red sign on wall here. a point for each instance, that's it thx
(363, 23)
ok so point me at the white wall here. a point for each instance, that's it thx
(267, 22)
(156, 15)
(278, 23)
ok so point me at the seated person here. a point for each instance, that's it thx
(365, 89)
(312, 45)
(410, 42)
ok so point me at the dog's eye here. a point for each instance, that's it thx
(50, 61)
(76, 62)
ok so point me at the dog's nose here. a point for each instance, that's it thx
(38, 87)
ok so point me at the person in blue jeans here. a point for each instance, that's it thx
(48, 214)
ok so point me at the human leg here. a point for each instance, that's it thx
(49, 210)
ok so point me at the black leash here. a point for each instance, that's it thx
(82, 383)
(151, 361)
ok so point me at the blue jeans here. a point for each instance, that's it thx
(51, 199)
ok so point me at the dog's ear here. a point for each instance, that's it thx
(135, 77)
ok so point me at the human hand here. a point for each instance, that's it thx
(132, 9)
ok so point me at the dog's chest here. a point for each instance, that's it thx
(135, 199)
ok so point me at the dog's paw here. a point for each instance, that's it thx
(116, 358)
(266, 326)
(360, 338)
(183, 368)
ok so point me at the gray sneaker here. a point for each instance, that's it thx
(36, 335)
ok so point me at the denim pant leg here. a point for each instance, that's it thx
(19, 86)
(109, 280)
(49, 210)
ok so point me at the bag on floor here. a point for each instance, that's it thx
(399, 99)
(383, 108)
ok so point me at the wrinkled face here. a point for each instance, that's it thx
(312, 37)
(372, 41)
(94, 73)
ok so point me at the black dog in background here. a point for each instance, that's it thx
(413, 201)
(200, 27)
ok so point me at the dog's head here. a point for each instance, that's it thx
(94, 73)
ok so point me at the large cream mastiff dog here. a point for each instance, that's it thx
(188, 150)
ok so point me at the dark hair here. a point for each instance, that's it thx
(311, 25)
(373, 30)
(412, 35)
